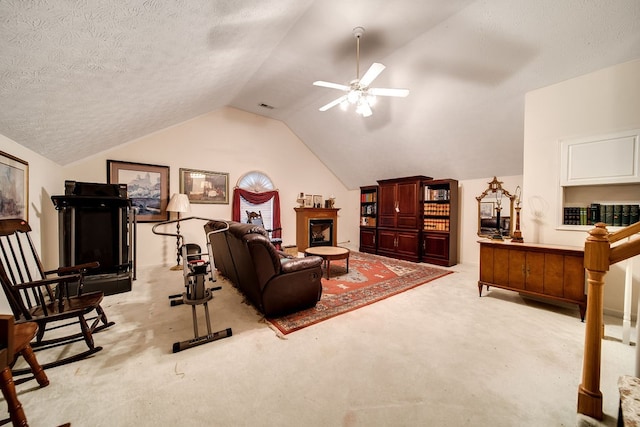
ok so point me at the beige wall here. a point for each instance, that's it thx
(229, 140)
(233, 141)
(45, 180)
(226, 140)
(599, 103)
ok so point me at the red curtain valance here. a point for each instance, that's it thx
(257, 199)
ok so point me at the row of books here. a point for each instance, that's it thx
(368, 197)
(617, 215)
(436, 194)
(431, 224)
(436, 209)
(368, 210)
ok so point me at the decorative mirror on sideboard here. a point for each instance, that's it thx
(495, 211)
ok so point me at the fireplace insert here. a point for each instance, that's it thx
(321, 232)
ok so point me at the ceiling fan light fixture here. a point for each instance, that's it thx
(371, 100)
(358, 92)
(363, 108)
(353, 96)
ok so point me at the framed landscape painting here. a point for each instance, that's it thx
(147, 187)
(487, 210)
(14, 187)
(204, 186)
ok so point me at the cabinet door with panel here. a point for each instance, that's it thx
(407, 245)
(408, 203)
(368, 240)
(386, 242)
(387, 205)
(435, 247)
(399, 244)
(501, 267)
(400, 202)
(486, 265)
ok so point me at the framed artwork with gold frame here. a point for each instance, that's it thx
(204, 186)
(147, 187)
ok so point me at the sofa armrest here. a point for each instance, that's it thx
(296, 264)
(283, 254)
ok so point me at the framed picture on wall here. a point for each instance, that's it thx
(317, 201)
(308, 201)
(14, 187)
(147, 187)
(487, 210)
(205, 186)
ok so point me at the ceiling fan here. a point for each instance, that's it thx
(358, 92)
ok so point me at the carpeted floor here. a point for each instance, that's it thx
(370, 278)
(435, 355)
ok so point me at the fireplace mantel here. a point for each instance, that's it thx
(304, 215)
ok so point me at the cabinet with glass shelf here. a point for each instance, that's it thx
(368, 218)
(440, 222)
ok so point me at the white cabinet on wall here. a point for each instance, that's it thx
(598, 172)
(604, 159)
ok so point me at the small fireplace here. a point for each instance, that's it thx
(321, 232)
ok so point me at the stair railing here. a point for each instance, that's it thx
(598, 256)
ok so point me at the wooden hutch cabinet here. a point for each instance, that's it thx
(400, 206)
(440, 224)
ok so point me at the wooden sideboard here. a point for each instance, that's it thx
(547, 271)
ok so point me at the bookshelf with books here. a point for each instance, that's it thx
(440, 222)
(368, 218)
(615, 205)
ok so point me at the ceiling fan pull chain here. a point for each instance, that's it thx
(357, 57)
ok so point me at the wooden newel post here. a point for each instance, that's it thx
(596, 262)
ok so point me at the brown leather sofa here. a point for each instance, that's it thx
(273, 282)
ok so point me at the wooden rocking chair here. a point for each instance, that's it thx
(36, 297)
(255, 218)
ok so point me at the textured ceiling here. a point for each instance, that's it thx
(79, 77)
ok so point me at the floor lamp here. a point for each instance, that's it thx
(179, 203)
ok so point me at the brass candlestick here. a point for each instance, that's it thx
(517, 234)
(498, 233)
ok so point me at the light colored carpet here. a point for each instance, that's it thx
(435, 355)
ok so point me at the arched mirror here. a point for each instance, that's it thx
(495, 212)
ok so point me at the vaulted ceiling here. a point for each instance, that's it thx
(79, 77)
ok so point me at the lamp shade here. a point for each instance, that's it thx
(179, 203)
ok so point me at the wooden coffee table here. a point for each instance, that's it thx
(328, 254)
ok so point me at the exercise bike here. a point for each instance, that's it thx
(198, 272)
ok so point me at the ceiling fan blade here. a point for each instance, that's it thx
(331, 85)
(379, 91)
(333, 103)
(373, 72)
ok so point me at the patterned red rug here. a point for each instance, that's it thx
(371, 278)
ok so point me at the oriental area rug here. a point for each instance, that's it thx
(371, 278)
